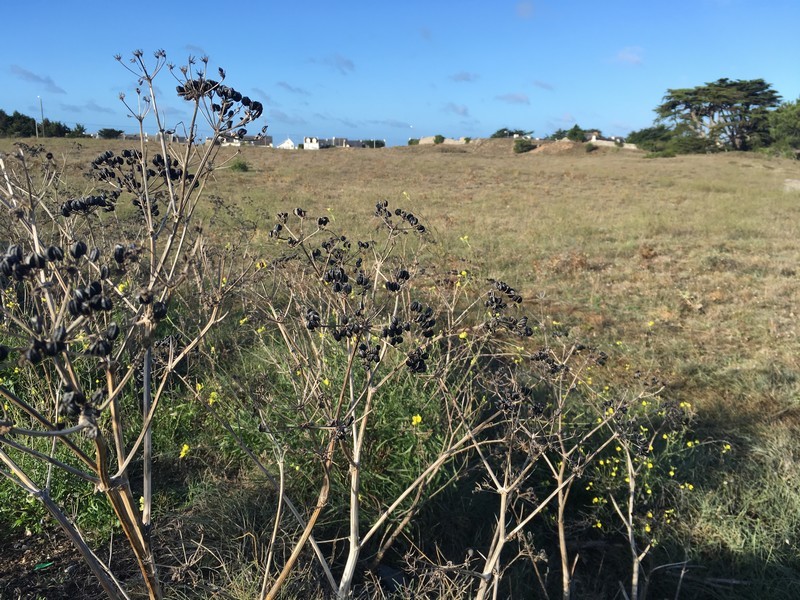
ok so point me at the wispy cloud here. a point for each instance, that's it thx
(543, 85)
(464, 76)
(565, 119)
(265, 97)
(338, 62)
(458, 109)
(90, 106)
(342, 120)
(396, 123)
(524, 9)
(631, 55)
(195, 50)
(281, 117)
(44, 80)
(514, 98)
(292, 89)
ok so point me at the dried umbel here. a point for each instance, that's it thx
(83, 293)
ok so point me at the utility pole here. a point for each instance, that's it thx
(35, 124)
(41, 111)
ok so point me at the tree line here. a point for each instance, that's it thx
(722, 115)
(20, 125)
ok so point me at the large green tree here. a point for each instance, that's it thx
(784, 126)
(729, 113)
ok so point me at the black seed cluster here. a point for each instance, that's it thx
(401, 276)
(88, 299)
(497, 302)
(513, 397)
(416, 360)
(519, 326)
(410, 221)
(546, 357)
(349, 328)
(368, 354)
(339, 280)
(159, 310)
(72, 403)
(86, 205)
(15, 263)
(424, 318)
(394, 330)
(312, 319)
(226, 103)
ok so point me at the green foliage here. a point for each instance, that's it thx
(19, 125)
(107, 133)
(240, 165)
(16, 125)
(374, 143)
(413, 142)
(652, 139)
(590, 147)
(784, 126)
(79, 131)
(438, 139)
(510, 133)
(54, 129)
(730, 113)
(576, 134)
(522, 145)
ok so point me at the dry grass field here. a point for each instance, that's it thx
(687, 268)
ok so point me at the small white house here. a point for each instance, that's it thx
(310, 143)
(287, 144)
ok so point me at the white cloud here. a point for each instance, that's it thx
(464, 76)
(458, 109)
(45, 80)
(514, 98)
(631, 55)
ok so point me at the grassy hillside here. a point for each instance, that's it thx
(685, 268)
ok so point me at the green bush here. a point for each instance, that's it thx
(438, 139)
(522, 145)
(413, 142)
(240, 166)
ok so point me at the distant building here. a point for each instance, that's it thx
(311, 143)
(287, 144)
(257, 140)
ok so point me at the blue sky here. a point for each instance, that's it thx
(400, 69)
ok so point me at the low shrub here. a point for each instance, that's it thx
(522, 145)
(239, 165)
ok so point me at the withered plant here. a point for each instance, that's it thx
(87, 293)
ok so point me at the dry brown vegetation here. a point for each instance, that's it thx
(704, 247)
(687, 266)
